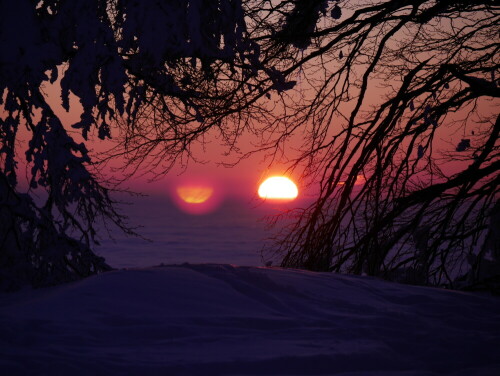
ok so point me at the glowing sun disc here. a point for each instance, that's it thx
(194, 194)
(278, 187)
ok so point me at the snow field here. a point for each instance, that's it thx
(214, 319)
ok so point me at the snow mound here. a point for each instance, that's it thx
(224, 320)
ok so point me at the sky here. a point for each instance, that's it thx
(240, 181)
(231, 178)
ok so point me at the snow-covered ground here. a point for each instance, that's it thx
(214, 319)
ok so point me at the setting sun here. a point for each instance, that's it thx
(278, 187)
(194, 194)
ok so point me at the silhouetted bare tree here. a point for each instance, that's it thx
(395, 83)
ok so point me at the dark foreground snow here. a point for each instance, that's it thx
(220, 319)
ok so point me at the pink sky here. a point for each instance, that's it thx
(241, 180)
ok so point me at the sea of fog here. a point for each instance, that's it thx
(234, 232)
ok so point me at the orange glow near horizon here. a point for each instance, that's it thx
(278, 188)
(194, 194)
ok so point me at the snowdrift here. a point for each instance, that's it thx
(224, 320)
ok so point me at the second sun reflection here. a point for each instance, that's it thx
(202, 197)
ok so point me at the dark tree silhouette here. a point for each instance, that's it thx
(380, 83)
(396, 83)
